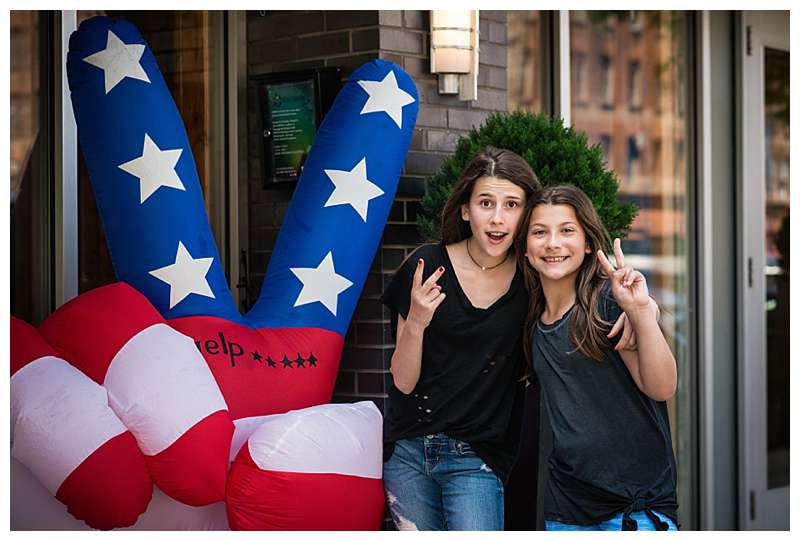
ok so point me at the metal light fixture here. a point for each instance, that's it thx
(454, 52)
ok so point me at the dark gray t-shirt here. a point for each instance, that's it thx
(472, 361)
(612, 449)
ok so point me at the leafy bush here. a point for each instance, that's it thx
(557, 154)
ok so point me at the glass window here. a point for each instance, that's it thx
(184, 49)
(31, 166)
(776, 220)
(606, 82)
(651, 132)
(634, 167)
(525, 73)
(634, 85)
(605, 144)
(579, 79)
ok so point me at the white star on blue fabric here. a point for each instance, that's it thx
(154, 168)
(386, 96)
(352, 188)
(321, 284)
(119, 60)
(186, 276)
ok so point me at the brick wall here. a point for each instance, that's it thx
(279, 41)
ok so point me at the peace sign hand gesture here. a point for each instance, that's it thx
(425, 296)
(628, 285)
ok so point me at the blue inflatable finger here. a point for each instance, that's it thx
(335, 220)
(143, 172)
(149, 196)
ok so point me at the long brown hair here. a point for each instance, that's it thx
(587, 329)
(489, 162)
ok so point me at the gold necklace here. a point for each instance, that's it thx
(481, 266)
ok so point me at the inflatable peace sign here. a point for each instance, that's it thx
(284, 354)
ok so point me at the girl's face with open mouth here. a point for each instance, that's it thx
(494, 211)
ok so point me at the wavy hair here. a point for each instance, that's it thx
(587, 329)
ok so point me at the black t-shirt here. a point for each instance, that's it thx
(472, 361)
(612, 449)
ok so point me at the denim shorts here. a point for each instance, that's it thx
(613, 525)
(436, 482)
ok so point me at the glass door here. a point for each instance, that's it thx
(764, 276)
(630, 80)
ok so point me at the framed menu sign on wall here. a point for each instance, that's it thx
(292, 106)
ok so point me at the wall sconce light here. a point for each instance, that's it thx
(454, 52)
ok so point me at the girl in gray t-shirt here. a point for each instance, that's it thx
(612, 464)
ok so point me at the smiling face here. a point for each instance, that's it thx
(494, 211)
(556, 242)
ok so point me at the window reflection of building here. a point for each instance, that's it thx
(633, 161)
(637, 70)
(580, 79)
(605, 144)
(524, 70)
(634, 86)
(606, 82)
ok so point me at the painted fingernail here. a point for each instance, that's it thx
(419, 262)
(441, 269)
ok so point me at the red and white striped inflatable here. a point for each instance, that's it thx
(64, 432)
(158, 384)
(313, 469)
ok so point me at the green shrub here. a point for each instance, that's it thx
(558, 155)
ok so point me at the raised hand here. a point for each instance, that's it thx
(628, 286)
(425, 296)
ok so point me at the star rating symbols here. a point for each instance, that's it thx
(352, 188)
(321, 284)
(154, 168)
(186, 276)
(386, 96)
(119, 60)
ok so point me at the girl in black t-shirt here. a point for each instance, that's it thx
(459, 307)
(612, 465)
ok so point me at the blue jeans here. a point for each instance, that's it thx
(612, 525)
(436, 482)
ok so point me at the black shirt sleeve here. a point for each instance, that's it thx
(397, 295)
